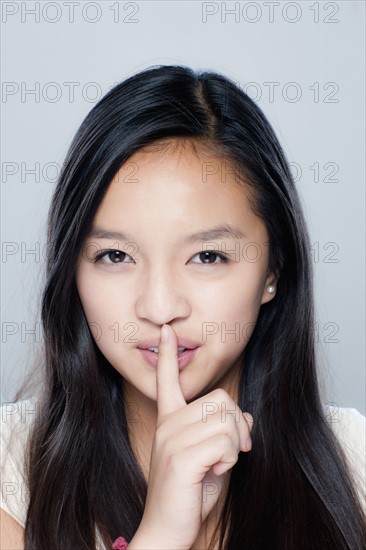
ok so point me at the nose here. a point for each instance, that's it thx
(162, 298)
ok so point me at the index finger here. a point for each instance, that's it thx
(169, 393)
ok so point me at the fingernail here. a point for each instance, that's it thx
(249, 417)
(164, 333)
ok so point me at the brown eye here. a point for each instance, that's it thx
(209, 254)
(115, 257)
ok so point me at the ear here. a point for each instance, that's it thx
(271, 281)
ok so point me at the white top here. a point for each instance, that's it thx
(347, 423)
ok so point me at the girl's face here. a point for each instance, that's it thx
(161, 272)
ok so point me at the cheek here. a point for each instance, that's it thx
(92, 299)
(101, 313)
(231, 315)
(233, 328)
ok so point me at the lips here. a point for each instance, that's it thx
(182, 343)
(184, 358)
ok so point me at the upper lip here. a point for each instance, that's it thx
(182, 343)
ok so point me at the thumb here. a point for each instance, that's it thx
(169, 392)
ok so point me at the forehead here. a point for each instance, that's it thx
(183, 152)
(170, 164)
(176, 184)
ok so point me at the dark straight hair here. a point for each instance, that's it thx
(294, 489)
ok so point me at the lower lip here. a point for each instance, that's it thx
(183, 358)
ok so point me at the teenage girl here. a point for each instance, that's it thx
(180, 406)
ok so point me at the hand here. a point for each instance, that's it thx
(190, 457)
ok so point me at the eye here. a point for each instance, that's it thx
(211, 253)
(116, 257)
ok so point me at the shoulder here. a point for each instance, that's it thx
(349, 426)
(16, 419)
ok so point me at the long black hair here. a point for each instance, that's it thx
(294, 489)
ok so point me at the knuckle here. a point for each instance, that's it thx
(218, 419)
(229, 450)
(224, 441)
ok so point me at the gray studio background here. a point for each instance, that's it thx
(303, 62)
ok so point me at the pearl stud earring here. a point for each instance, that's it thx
(271, 289)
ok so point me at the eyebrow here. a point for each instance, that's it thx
(225, 231)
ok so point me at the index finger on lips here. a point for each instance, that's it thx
(169, 392)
